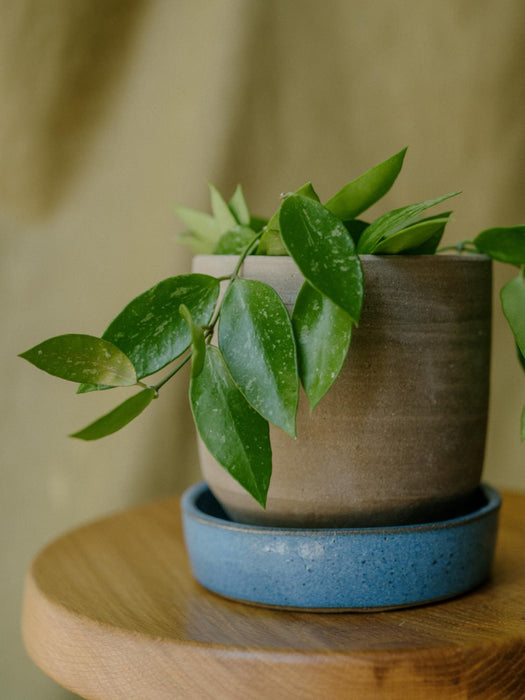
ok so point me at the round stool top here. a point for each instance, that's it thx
(112, 611)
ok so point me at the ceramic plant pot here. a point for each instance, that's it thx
(400, 436)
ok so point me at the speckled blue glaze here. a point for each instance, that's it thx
(340, 569)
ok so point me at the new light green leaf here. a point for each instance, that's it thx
(198, 343)
(504, 244)
(221, 211)
(256, 340)
(202, 227)
(323, 332)
(358, 195)
(195, 243)
(151, 331)
(235, 241)
(239, 207)
(324, 252)
(235, 434)
(513, 304)
(394, 221)
(410, 238)
(83, 358)
(118, 417)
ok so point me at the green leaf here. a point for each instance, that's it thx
(235, 241)
(151, 331)
(410, 238)
(513, 304)
(234, 433)
(118, 417)
(83, 358)
(195, 243)
(197, 342)
(394, 221)
(307, 190)
(256, 340)
(203, 226)
(324, 252)
(358, 195)
(257, 223)
(355, 228)
(323, 332)
(221, 211)
(430, 246)
(504, 244)
(239, 208)
(521, 357)
(271, 243)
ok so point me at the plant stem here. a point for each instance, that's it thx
(247, 250)
(211, 325)
(174, 371)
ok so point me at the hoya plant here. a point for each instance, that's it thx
(248, 355)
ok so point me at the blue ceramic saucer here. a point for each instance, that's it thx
(341, 569)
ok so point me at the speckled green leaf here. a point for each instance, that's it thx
(410, 238)
(324, 252)
(513, 304)
(118, 417)
(323, 332)
(83, 358)
(271, 243)
(257, 343)
(151, 331)
(235, 434)
(358, 195)
(394, 221)
(504, 244)
(198, 346)
(239, 208)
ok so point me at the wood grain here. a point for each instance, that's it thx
(111, 611)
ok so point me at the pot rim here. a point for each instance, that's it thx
(193, 493)
(470, 257)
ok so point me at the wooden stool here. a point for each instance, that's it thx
(111, 611)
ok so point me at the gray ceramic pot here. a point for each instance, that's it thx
(400, 437)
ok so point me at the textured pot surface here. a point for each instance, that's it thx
(400, 437)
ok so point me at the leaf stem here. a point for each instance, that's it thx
(209, 328)
(174, 371)
(242, 257)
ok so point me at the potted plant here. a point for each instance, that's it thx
(399, 436)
